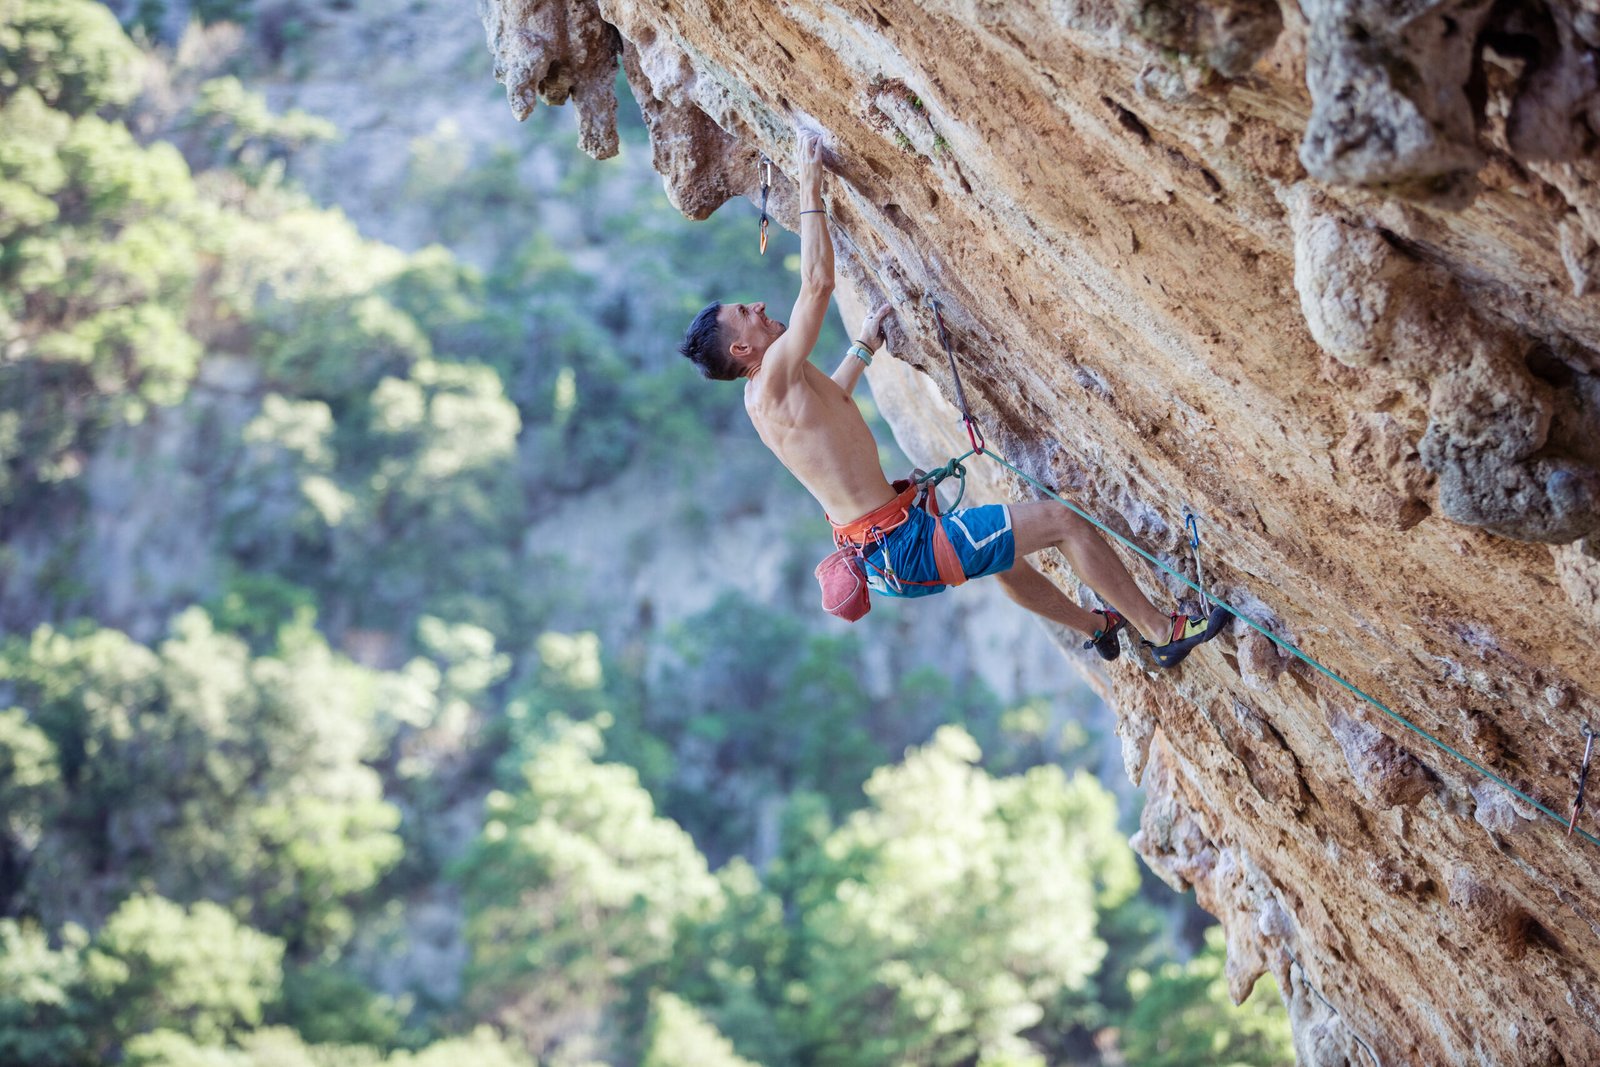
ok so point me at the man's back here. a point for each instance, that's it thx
(817, 432)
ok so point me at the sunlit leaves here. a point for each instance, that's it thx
(196, 970)
(73, 52)
(574, 881)
(679, 1036)
(45, 1018)
(197, 764)
(1182, 1014)
(967, 905)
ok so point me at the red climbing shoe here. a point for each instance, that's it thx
(1105, 640)
(1188, 634)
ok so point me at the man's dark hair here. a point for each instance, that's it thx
(703, 345)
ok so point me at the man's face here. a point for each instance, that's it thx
(747, 324)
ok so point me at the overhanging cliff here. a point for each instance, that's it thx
(1324, 273)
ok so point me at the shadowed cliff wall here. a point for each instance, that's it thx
(1326, 274)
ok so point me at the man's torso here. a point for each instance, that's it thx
(817, 432)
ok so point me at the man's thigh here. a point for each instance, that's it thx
(1042, 523)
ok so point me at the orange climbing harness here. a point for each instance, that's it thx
(843, 575)
(870, 528)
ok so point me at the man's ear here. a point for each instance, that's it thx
(740, 348)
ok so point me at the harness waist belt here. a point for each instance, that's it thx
(862, 532)
(871, 527)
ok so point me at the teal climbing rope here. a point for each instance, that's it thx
(953, 469)
(1282, 643)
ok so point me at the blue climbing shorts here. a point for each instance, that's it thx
(982, 537)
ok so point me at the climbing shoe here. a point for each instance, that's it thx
(1187, 634)
(1105, 640)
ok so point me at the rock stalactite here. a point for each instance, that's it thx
(1325, 273)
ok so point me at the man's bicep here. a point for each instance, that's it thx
(805, 324)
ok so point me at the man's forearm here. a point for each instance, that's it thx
(816, 245)
(849, 373)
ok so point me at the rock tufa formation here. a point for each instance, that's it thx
(1325, 273)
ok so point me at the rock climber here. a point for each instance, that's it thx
(812, 425)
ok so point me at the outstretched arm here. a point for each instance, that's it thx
(789, 352)
(871, 335)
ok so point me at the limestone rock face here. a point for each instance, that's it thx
(1323, 273)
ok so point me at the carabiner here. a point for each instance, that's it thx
(1583, 777)
(974, 434)
(764, 169)
(1192, 526)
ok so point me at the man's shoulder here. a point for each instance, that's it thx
(778, 378)
(789, 351)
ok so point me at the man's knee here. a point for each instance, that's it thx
(1075, 526)
(1042, 523)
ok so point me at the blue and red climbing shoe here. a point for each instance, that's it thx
(1106, 640)
(1188, 634)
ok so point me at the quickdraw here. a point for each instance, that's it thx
(1583, 777)
(974, 434)
(765, 170)
(1192, 526)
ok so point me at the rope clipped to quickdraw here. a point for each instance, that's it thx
(764, 168)
(974, 434)
(1192, 525)
(1583, 777)
(953, 469)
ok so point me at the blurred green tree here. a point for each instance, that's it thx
(962, 907)
(156, 965)
(30, 797)
(754, 706)
(232, 127)
(74, 53)
(205, 772)
(573, 882)
(46, 1018)
(1182, 1014)
(679, 1036)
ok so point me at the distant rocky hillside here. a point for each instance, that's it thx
(1325, 273)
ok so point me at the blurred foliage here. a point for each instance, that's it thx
(153, 965)
(233, 127)
(194, 767)
(255, 832)
(73, 54)
(47, 1018)
(679, 1036)
(159, 966)
(961, 908)
(573, 879)
(1182, 1014)
(740, 677)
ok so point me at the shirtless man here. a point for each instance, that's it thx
(812, 425)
